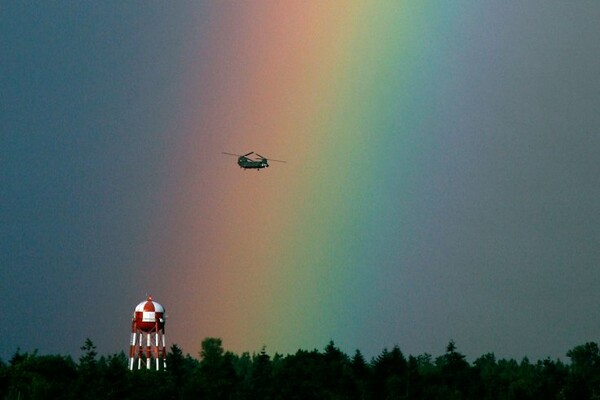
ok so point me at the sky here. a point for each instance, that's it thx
(441, 182)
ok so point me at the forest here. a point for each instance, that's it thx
(318, 374)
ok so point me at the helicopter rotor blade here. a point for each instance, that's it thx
(246, 155)
(268, 159)
(230, 154)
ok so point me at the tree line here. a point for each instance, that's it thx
(328, 374)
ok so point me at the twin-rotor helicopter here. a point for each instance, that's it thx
(257, 162)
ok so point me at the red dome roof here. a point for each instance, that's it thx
(149, 315)
(150, 305)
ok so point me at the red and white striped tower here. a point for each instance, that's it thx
(148, 335)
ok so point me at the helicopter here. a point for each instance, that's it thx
(252, 163)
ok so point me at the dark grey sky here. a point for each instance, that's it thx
(87, 94)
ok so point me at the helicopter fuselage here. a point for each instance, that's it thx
(258, 162)
(247, 163)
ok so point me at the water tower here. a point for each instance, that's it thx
(148, 335)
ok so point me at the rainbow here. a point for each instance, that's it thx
(293, 256)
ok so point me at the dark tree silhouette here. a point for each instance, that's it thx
(260, 383)
(390, 375)
(40, 377)
(216, 377)
(361, 374)
(306, 375)
(584, 379)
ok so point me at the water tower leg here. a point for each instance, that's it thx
(132, 349)
(164, 352)
(156, 350)
(148, 351)
(140, 350)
